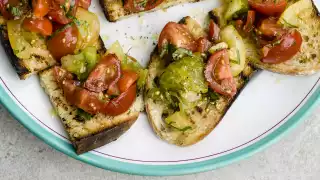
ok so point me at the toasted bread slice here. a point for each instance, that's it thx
(92, 133)
(204, 117)
(307, 61)
(114, 9)
(39, 58)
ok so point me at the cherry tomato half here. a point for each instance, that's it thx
(128, 77)
(106, 73)
(283, 49)
(268, 7)
(40, 7)
(121, 103)
(63, 42)
(214, 31)
(218, 74)
(177, 35)
(38, 25)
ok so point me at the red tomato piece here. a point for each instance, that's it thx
(61, 74)
(40, 7)
(141, 5)
(82, 98)
(64, 42)
(268, 7)
(250, 21)
(121, 103)
(177, 35)
(283, 49)
(134, 5)
(69, 88)
(88, 101)
(151, 4)
(239, 25)
(106, 73)
(113, 90)
(203, 45)
(214, 31)
(218, 74)
(38, 25)
(58, 14)
(128, 77)
(270, 28)
(56, 26)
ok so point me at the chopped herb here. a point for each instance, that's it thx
(294, 42)
(64, 6)
(82, 115)
(276, 43)
(53, 112)
(185, 128)
(140, 3)
(180, 53)
(155, 37)
(180, 129)
(152, 1)
(113, 96)
(213, 96)
(16, 51)
(15, 11)
(164, 50)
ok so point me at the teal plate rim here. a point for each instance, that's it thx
(157, 170)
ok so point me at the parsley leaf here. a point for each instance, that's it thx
(213, 96)
(82, 115)
(15, 11)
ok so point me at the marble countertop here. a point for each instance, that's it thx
(295, 157)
